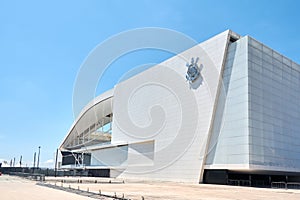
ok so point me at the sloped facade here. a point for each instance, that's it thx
(238, 112)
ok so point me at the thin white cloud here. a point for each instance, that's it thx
(5, 162)
(50, 161)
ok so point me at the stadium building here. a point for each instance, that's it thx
(224, 111)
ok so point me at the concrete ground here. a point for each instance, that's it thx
(17, 188)
(180, 191)
(14, 188)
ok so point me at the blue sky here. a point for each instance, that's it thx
(43, 44)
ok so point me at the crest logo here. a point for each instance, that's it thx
(193, 71)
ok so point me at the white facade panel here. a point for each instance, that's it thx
(114, 156)
(229, 144)
(274, 110)
(160, 105)
(242, 113)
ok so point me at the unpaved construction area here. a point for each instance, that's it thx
(17, 188)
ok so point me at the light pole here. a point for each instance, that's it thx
(55, 168)
(34, 157)
(38, 161)
(21, 161)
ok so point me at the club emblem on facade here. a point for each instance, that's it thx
(193, 71)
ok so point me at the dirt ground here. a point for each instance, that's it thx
(17, 188)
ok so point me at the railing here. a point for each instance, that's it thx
(284, 185)
(293, 185)
(279, 185)
(239, 182)
(32, 176)
(88, 193)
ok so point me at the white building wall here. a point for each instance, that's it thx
(159, 104)
(163, 124)
(274, 110)
(261, 113)
(112, 156)
(229, 143)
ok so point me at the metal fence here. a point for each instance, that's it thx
(31, 176)
(239, 182)
(284, 185)
(88, 193)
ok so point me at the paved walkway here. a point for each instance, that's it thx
(170, 191)
(176, 191)
(14, 188)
